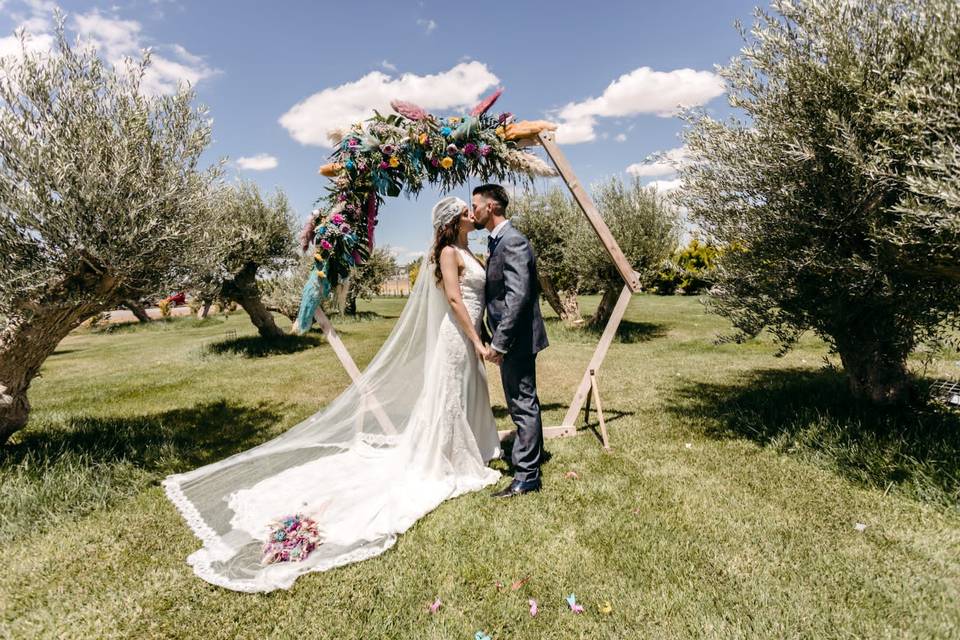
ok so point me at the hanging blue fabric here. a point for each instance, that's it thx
(315, 291)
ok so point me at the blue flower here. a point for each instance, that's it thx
(446, 131)
(349, 164)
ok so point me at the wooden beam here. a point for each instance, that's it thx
(340, 349)
(547, 139)
(548, 433)
(595, 390)
(598, 355)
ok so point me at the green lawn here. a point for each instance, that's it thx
(727, 508)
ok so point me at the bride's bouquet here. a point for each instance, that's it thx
(291, 539)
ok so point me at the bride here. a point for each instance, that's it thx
(414, 430)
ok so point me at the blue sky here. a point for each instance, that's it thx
(276, 76)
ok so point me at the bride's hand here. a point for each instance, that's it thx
(482, 350)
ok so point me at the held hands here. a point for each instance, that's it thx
(482, 350)
(494, 356)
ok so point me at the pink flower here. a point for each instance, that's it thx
(452, 149)
(384, 164)
(353, 142)
(337, 219)
(434, 162)
(326, 245)
(408, 110)
(469, 148)
(485, 150)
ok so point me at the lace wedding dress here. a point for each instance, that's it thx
(416, 429)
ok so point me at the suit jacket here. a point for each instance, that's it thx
(513, 296)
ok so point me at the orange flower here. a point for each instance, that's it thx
(423, 138)
(447, 162)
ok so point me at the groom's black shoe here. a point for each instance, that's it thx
(516, 488)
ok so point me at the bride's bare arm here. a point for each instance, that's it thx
(450, 265)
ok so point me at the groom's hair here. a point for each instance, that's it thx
(496, 193)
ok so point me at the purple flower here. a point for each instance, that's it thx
(353, 142)
(345, 228)
(337, 218)
(485, 150)
(504, 117)
(434, 162)
(362, 166)
(469, 148)
(342, 197)
(384, 164)
(452, 149)
(326, 245)
(388, 149)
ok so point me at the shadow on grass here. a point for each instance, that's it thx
(259, 347)
(629, 332)
(810, 413)
(73, 467)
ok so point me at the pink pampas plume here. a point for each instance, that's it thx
(371, 218)
(408, 110)
(306, 235)
(486, 103)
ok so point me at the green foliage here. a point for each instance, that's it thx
(689, 271)
(367, 279)
(836, 192)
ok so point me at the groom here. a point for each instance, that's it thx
(514, 330)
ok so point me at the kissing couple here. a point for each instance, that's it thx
(415, 429)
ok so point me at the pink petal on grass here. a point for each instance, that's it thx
(435, 606)
(571, 475)
(533, 608)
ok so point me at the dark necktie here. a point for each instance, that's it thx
(491, 244)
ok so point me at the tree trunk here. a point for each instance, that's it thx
(564, 303)
(875, 375)
(137, 309)
(204, 309)
(25, 343)
(605, 308)
(350, 307)
(244, 290)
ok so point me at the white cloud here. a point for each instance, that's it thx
(661, 164)
(259, 162)
(643, 90)
(119, 39)
(664, 185)
(309, 120)
(115, 40)
(389, 66)
(428, 25)
(621, 137)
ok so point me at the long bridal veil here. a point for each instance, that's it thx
(353, 466)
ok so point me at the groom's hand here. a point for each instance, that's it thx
(495, 357)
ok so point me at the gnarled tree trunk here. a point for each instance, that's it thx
(244, 290)
(876, 373)
(605, 309)
(564, 303)
(137, 309)
(26, 342)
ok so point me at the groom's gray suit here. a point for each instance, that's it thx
(516, 330)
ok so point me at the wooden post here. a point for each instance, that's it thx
(340, 350)
(595, 389)
(583, 199)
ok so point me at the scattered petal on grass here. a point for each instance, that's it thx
(480, 635)
(533, 607)
(860, 527)
(571, 475)
(572, 601)
(519, 583)
(688, 445)
(636, 511)
(606, 609)
(499, 585)
(435, 606)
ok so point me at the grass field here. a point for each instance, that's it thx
(727, 508)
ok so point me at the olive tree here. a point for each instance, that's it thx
(281, 290)
(835, 195)
(367, 279)
(246, 232)
(547, 220)
(101, 200)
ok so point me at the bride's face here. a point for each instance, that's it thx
(467, 220)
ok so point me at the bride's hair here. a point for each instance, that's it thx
(443, 237)
(446, 215)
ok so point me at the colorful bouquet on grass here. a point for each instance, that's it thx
(292, 539)
(387, 155)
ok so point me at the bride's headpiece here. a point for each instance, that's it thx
(446, 211)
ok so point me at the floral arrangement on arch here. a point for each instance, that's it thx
(387, 155)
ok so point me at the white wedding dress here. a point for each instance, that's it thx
(416, 429)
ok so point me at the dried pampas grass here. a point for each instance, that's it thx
(529, 164)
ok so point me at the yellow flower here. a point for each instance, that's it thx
(446, 163)
(606, 608)
(454, 120)
(500, 131)
(321, 274)
(393, 161)
(423, 138)
(317, 257)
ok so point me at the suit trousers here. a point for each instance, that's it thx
(518, 372)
